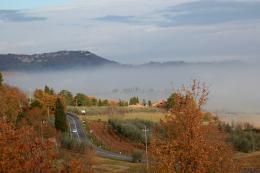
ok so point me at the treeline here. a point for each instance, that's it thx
(81, 99)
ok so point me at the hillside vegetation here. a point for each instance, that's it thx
(132, 129)
(29, 141)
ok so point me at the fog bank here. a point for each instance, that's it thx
(233, 88)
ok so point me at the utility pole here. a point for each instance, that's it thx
(252, 139)
(146, 152)
(30, 96)
(42, 123)
(21, 106)
(48, 112)
(76, 103)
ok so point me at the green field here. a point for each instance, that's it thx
(155, 117)
(104, 113)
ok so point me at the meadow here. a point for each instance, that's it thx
(124, 113)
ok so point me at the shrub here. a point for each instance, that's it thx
(137, 156)
(71, 144)
(241, 142)
(132, 129)
(243, 136)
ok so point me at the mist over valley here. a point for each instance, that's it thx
(233, 85)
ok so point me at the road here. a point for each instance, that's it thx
(80, 135)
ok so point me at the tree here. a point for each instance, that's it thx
(149, 103)
(35, 104)
(21, 150)
(144, 102)
(183, 144)
(30, 144)
(105, 103)
(171, 101)
(81, 99)
(12, 102)
(67, 95)
(93, 101)
(133, 101)
(1, 79)
(99, 102)
(60, 116)
(45, 99)
(48, 90)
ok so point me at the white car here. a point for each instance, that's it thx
(74, 130)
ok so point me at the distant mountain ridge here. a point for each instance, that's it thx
(52, 61)
(65, 60)
(179, 63)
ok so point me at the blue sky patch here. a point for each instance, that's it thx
(17, 16)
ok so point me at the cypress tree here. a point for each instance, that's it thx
(60, 116)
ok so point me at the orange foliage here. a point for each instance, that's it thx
(183, 144)
(45, 99)
(30, 144)
(12, 102)
(80, 164)
(38, 118)
(21, 150)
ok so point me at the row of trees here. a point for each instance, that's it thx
(48, 97)
(81, 99)
(135, 101)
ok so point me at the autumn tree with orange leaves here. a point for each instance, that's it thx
(21, 150)
(183, 143)
(46, 99)
(12, 102)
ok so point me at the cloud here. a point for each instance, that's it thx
(208, 12)
(17, 16)
(117, 18)
(204, 12)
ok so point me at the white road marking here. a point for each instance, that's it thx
(76, 128)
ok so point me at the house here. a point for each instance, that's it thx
(160, 104)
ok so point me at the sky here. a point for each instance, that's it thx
(134, 31)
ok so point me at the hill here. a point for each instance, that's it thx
(66, 60)
(52, 61)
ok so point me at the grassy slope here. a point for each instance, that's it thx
(116, 166)
(249, 160)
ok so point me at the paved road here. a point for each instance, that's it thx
(80, 135)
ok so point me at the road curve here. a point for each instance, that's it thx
(80, 135)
